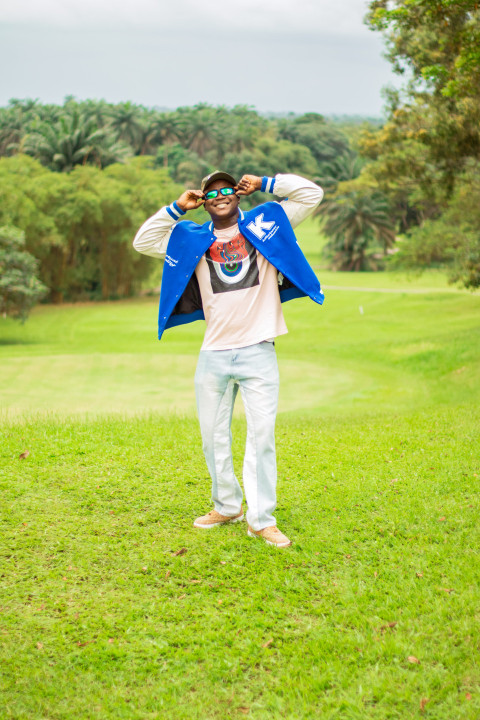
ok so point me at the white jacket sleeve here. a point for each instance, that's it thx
(302, 195)
(152, 238)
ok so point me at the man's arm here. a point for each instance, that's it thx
(152, 238)
(302, 195)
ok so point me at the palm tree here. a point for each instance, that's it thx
(14, 122)
(127, 123)
(74, 139)
(340, 169)
(354, 222)
(161, 129)
(99, 110)
(201, 128)
(343, 168)
(11, 131)
(244, 127)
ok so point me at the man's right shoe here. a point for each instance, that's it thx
(213, 518)
(271, 535)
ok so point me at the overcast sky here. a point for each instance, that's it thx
(277, 55)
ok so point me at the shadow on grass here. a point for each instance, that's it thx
(17, 341)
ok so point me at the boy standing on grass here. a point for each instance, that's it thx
(234, 272)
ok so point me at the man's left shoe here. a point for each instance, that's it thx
(271, 535)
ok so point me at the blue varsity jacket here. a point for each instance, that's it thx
(269, 231)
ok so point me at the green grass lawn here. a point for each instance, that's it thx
(113, 606)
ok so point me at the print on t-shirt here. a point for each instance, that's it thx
(232, 265)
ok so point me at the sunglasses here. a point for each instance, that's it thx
(211, 194)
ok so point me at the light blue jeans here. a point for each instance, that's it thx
(219, 374)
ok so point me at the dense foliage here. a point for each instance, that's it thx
(426, 156)
(80, 225)
(20, 288)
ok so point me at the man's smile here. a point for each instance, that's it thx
(223, 203)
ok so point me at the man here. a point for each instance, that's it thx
(235, 271)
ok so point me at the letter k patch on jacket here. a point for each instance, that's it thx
(260, 227)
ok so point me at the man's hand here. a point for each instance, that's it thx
(248, 185)
(190, 200)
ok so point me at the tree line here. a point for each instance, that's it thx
(189, 141)
(79, 179)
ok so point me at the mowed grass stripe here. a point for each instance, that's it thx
(354, 352)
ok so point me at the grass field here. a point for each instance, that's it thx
(113, 606)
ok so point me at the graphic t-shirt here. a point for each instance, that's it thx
(240, 297)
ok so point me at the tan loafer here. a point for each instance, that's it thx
(214, 518)
(271, 535)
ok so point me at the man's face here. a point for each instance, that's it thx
(222, 207)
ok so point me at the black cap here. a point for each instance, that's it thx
(217, 175)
